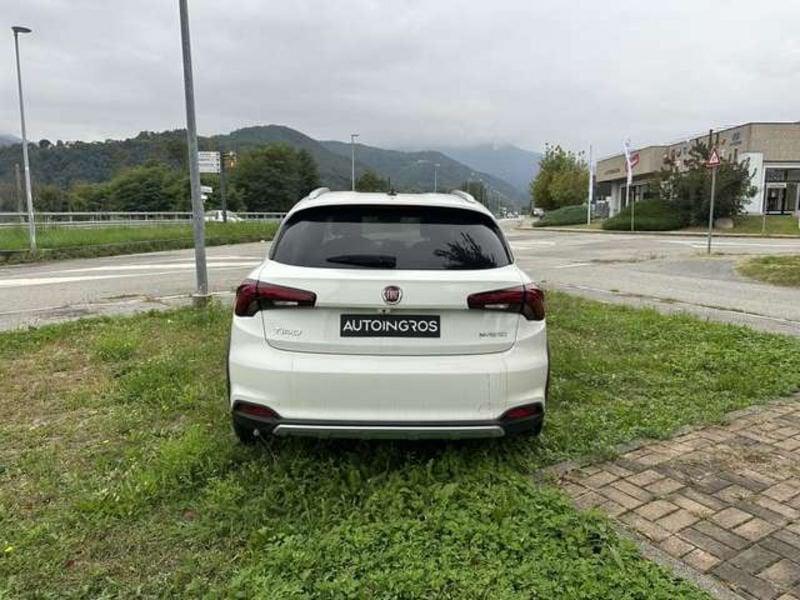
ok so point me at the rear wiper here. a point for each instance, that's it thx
(378, 261)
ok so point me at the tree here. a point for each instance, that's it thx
(307, 170)
(89, 197)
(50, 198)
(688, 187)
(563, 180)
(151, 187)
(372, 182)
(268, 178)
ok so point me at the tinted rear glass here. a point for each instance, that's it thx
(391, 237)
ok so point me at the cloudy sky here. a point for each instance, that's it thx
(408, 73)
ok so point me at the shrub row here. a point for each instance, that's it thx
(568, 215)
(650, 215)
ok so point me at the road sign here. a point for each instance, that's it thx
(713, 163)
(713, 160)
(208, 162)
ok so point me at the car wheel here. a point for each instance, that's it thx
(245, 434)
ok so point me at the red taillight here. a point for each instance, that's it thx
(253, 296)
(527, 300)
(255, 410)
(522, 412)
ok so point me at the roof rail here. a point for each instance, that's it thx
(463, 195)
(317, 193)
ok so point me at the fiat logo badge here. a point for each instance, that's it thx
(392, 294)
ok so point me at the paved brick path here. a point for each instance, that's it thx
(723, 500)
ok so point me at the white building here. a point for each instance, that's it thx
(773, 150)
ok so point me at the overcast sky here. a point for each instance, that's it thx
(407, 72)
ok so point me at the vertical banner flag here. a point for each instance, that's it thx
(628, 165)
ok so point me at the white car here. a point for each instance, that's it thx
(388, 316)
(215, 216)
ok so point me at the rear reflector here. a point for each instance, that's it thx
(527, 300)
(522, 412)
(255, 410)
(253, 296)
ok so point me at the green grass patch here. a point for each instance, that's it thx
(777, 270)
(649, 215)
(757, 225)
(775, 225)
(119, 475)
(567, 215)
(58, 242)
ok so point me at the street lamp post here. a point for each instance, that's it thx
(17, 29)
(198, 217)
(353, 137)
(436, 166)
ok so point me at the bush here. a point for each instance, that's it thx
(569, 215)
(650, 215)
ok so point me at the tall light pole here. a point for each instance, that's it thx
(591, 189)
(353, 137)
(436, 166)
(198, 218)
(17, 29)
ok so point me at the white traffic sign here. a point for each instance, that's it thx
(713, 160)
(208, 162)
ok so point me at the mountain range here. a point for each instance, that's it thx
(8, 139)
(505, 161)
(66, 163)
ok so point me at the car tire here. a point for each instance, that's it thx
(245, 434)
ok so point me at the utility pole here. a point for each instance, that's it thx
(436, 177)
(18, 178)
(353, 137)
(713, 164)
(17, 29)
(198, 222)
(222, 187)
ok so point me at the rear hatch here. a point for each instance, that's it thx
(390, 280)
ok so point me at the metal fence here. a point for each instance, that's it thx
(122, 219)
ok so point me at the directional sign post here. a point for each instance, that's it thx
(713, 163)
(208, 162)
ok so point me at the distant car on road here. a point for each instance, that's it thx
(388, 316)
(215, 216)
(537, 212)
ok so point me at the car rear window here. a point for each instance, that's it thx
(391, 237)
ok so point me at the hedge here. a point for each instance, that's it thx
(650, 215)
(568, 215)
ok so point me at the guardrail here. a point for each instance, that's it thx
(118, 218)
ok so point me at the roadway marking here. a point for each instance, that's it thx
(150, 270)
(572, 265)
(790, 244)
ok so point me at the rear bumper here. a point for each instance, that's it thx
(313, 389)
(388, 430)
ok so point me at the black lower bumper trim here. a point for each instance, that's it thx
(532, 424)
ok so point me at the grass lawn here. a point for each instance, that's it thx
(776, 224)
(752, 224)
(778, 270)
(72, 242)
(119, 475)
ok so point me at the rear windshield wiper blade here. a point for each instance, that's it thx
(379, 261)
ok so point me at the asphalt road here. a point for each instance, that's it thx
(670, 273)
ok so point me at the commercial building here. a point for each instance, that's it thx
(772, 149)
